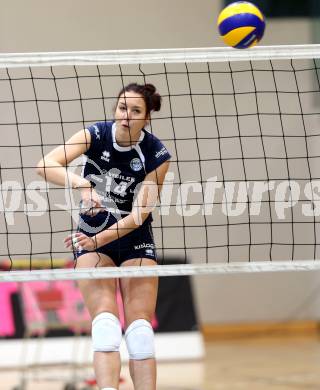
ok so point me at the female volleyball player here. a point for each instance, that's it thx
(123, 174)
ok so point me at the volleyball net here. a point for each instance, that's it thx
(243, 188)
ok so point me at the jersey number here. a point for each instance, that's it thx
(119, 189)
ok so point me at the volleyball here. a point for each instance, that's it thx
(241, 25)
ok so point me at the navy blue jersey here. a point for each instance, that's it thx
(115, 170)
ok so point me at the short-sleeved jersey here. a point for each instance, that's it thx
(115, 170)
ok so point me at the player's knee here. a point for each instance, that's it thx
(140, 340)
(106, 333)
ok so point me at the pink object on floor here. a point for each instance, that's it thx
(7, 326)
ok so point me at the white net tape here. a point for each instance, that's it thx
(157, 271)
(148, 56)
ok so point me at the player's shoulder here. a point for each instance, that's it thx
(155, 151)
(150, 139)
(100, 127)
(100, 131)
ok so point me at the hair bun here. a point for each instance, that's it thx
(150, 89)
(153, 97)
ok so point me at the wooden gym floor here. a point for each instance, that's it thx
(275, 361)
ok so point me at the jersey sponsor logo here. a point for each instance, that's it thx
(105, 156)
(116, 175)
(161, 152)
(144, 246)
(136, 164)
(149, 252)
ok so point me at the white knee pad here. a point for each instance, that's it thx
(140, 340)
(108, 388)
(106, 333)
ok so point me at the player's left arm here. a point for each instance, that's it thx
(145, 201)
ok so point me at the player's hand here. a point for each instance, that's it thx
(79, 241)
(91, 202)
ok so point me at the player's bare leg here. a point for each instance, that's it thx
(139, 298)
(100, 298)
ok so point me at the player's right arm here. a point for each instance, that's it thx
(52, 167)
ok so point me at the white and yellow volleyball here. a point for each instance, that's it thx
(241, 25)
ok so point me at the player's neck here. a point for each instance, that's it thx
(126, 139)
